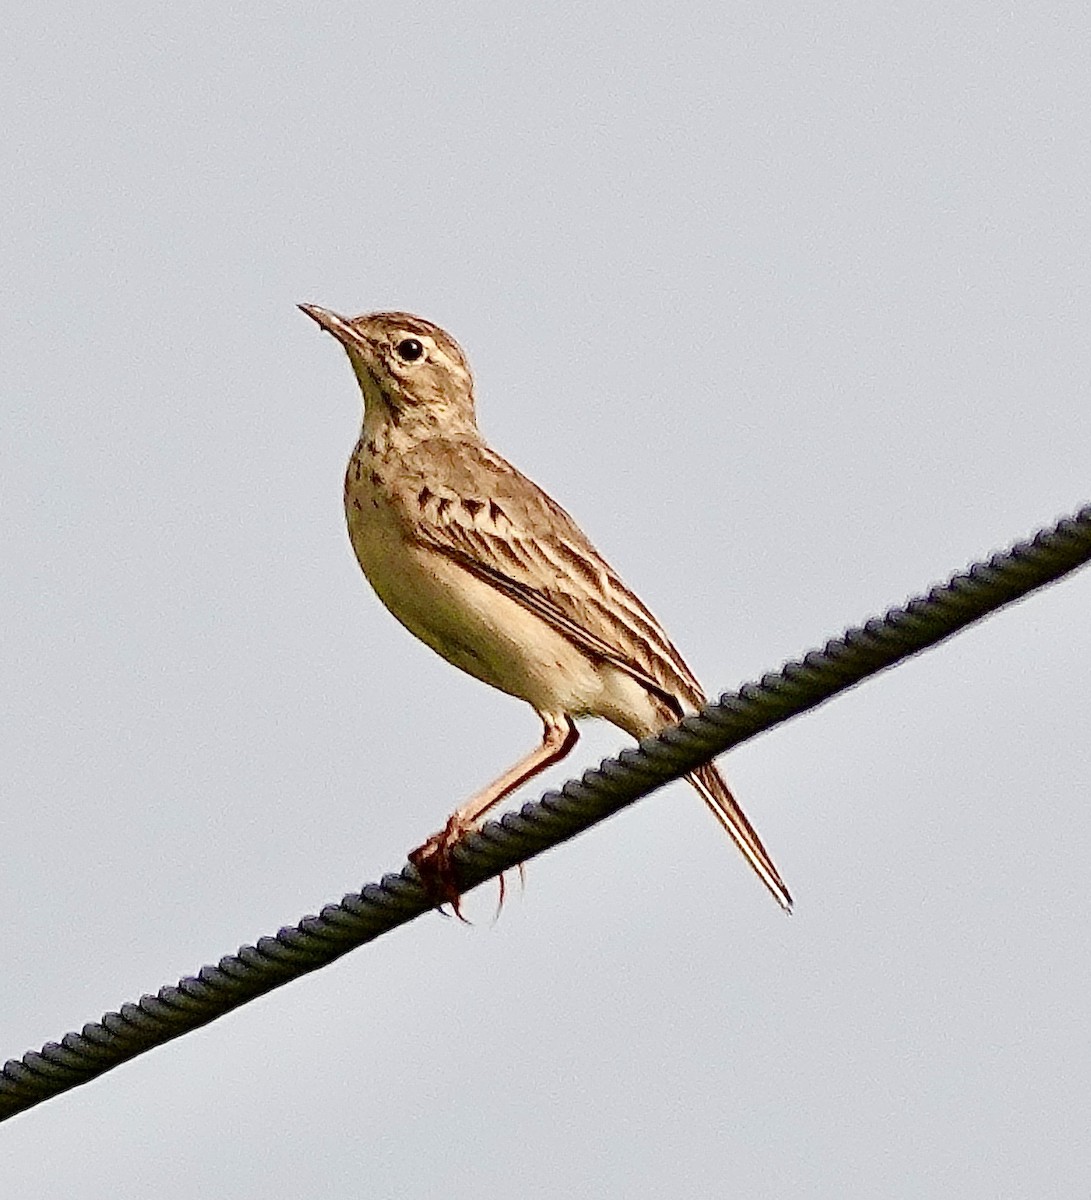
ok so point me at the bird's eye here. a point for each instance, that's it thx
(409, 350)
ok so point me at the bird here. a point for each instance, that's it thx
(480, 564)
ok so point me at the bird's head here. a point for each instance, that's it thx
(407, 367)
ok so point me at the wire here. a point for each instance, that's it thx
(519, 835)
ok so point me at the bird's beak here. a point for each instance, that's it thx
(333, 323)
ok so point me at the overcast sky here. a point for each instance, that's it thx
(789, 306)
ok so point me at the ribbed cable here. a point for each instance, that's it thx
(558, 815)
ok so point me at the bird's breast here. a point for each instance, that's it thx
(376, 530)
(462, 618)
(414, 582)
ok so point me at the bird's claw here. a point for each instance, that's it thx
(436, 868)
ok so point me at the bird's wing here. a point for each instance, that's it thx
(468, 503)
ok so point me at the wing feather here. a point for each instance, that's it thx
(468, 503)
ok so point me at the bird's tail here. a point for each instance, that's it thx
(716, 794)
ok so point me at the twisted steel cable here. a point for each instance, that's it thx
(557, 816)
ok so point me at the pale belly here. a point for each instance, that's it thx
(479, 629)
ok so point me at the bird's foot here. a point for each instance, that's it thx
(436, 868)
(437, 871)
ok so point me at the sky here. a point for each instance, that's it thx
(789, 306)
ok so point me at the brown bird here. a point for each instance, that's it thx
(484, 567)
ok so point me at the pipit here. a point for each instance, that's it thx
(481, 565)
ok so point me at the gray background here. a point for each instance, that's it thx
(789, 306)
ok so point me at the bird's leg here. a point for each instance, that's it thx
(433, 858)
